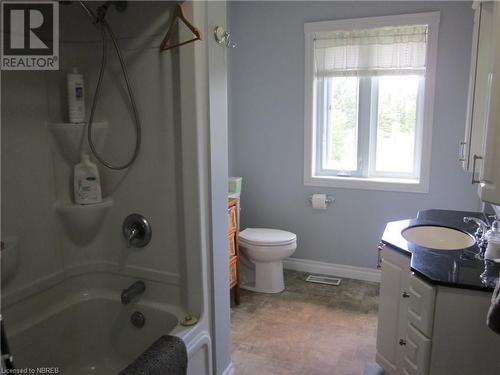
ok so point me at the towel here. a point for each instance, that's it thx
(167, 356)
(493, 317)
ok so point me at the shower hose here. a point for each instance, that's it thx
(104, 27)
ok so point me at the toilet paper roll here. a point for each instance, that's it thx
(319, 202)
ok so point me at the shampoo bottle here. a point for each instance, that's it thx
(87, 184)
(76, 99)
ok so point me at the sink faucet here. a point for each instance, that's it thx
(482, 227)
(133, 290)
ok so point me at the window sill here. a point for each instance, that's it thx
(383, 184)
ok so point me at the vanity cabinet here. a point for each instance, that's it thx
(393, 304)
(479, 151)
(427, 329)
(234, 279)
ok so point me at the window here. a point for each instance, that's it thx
(368, 102)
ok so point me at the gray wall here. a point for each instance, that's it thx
(266, 97)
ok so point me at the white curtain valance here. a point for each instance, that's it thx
(377, 51)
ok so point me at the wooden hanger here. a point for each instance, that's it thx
(178, 15)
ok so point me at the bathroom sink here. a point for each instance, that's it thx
(436, 237)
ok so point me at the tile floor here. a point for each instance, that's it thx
(307, 329)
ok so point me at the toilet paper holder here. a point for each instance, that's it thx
(329, 200)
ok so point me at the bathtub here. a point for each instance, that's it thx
(90, 332)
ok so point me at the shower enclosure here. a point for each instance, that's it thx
(65, 266)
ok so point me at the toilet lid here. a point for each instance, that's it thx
(266, 237)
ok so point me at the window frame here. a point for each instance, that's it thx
(373, 133)
(323, 135)
(315, 177)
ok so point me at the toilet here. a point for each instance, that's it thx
(262, 252)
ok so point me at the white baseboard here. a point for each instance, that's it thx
(229, 370)
(331, 269)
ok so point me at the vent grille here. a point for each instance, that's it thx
(335, 281)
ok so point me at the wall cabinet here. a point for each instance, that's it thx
(489, 178)
(479, 151)
(427, 329)
(479, 85)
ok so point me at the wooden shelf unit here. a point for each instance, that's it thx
(233, 252)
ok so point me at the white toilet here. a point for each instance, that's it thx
(261, 258)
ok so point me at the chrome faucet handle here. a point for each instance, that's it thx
(481, 240)
(136, 230)
(481, 225)
(133, 233)
(493, 218)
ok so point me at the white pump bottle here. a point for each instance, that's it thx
(87, 184)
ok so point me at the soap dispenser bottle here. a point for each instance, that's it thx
(493, 238)
(87, 184)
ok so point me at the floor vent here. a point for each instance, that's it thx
(335, 281)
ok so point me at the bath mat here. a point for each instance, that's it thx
(167, 356)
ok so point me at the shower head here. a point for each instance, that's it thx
(100, 14)
(120, 6)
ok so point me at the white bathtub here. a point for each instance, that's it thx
(90, 332)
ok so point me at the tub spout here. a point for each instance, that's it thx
(133, 290)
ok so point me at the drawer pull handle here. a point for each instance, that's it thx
(405, 295)
(379, 260)
(461, 153)
(402, 342)
(474, 159)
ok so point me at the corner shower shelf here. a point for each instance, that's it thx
(71, 138)
(83, 221)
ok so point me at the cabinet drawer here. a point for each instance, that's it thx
(233, 272)
(232, 218)
(232, 245)
(421, 305)
(416, 352)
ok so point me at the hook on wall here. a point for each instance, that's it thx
(224, 38)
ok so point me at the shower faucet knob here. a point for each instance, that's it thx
(136, 230)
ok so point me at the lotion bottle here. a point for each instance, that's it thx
(87, 184)
(76, 97)
(493, 238)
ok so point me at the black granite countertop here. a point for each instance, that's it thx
(454, 268)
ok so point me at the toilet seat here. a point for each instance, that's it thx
(265, 249)
(266, 237)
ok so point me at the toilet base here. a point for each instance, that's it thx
(268, 278)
